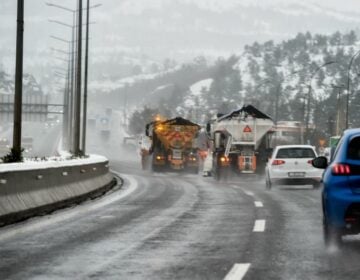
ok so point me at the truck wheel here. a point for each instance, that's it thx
(155, 168)
(216, 173)
(268, 183)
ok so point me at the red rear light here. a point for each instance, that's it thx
(341, 169)
(278, 162)
(350, 220)
(224, 159)
(310, 161)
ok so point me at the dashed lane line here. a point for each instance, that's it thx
(249, 193)
(238, 271)
(258, 204)
(259, 226)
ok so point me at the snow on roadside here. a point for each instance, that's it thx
(51, 162)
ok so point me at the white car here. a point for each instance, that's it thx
(292, 165)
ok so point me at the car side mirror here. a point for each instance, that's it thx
(320, 162)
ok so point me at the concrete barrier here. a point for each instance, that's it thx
(31, 189)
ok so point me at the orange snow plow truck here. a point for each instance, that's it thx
(173, 145)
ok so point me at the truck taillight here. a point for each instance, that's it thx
(341, 169)
(224, 159)
(278, 162)
(160, 157)
(192, 158)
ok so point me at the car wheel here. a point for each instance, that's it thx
(332, 235)
(316, 185)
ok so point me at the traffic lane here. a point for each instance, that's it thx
(206, 240)
(292, 245)
(44, 248)
(171, 227)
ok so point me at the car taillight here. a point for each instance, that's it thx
(341, 169)
(310, 161)
(278, 162)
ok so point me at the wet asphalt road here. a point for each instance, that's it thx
(173, 226)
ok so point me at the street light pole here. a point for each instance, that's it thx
(309, 97)
(76, 79)
(70, 98)
(348, 90)
(71, 65)
(18, 81)
(86, 78)
(77, 104)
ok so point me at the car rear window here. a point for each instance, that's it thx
(295, 153)
(354, 149)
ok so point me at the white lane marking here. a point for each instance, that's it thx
(258, 204)
(259, 226)
(249, 193)
(238, 271)
(107, 217)
(48, 220)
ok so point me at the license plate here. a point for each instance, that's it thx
(297, 174)
(177, 154)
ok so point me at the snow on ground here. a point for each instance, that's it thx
(194, 98)
(196, 89)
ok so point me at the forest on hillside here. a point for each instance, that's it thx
(302, 79)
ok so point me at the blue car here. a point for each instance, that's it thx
(341, 192)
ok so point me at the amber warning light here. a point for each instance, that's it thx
(247, 129)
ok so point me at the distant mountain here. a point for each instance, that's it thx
(275, 78)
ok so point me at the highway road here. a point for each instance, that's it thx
(178, 226)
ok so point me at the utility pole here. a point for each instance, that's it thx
(18, 81)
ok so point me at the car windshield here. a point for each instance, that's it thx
(354, 149)
(295, 153)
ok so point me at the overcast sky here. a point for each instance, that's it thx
(178, 31)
